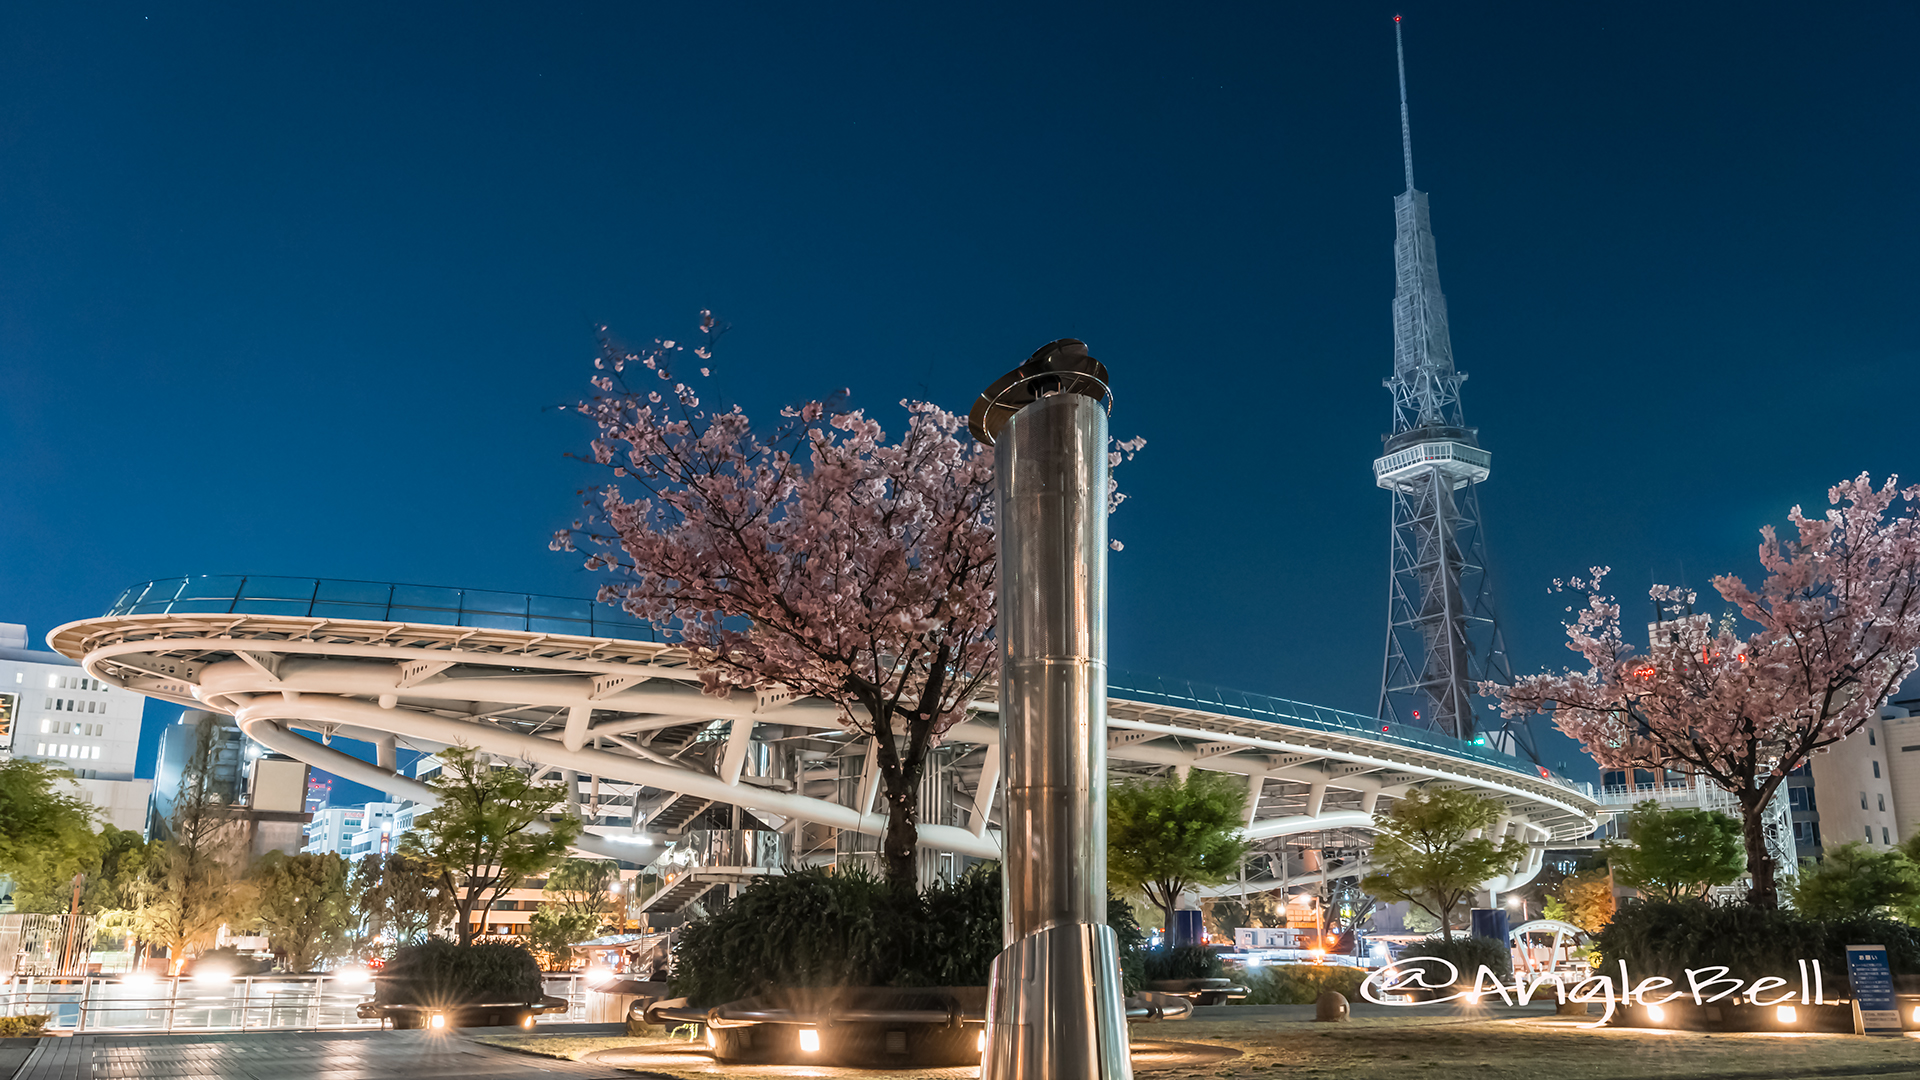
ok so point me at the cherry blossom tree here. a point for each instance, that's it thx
(1838, 620)
(821, 559)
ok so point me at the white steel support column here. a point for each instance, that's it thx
(983, 794)
(738, 738)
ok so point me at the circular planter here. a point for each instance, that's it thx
(480, 1014)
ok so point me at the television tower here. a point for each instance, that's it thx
(1441, 635)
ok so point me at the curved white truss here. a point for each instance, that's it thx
(594, 709)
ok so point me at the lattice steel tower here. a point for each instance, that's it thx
(1441, 635)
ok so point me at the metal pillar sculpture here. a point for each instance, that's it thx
(1054, 1009)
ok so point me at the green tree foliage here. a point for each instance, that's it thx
(1422, 854)
(398, 898)
(190, 885)
(46, 834)
(578, 904)
(492, 827)
(302, 904)
(112, 864)
(1853, 880)
(1584, 899)
(1166, 835)
(1678, 853)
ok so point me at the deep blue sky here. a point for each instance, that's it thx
(290, 289)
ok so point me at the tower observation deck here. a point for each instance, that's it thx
(1442, 638)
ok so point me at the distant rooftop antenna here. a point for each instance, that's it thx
(1406, 132)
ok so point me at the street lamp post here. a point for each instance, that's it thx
(1053, 1008)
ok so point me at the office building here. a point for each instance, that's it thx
(51, 710)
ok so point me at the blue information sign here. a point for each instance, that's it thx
(1875, 1011)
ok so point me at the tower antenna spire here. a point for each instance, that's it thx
(1406, 132)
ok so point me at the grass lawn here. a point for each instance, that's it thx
(1363, 1049)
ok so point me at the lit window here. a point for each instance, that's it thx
(41, 749)
(45, 725)
(53, 682)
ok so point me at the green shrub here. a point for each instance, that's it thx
(1301, 984)
(1133, 944)
(961, 934)
(1664, 939)
(16, 1027)
(1467, 954)
(846, 927)
(1185, 962)
(440, 972)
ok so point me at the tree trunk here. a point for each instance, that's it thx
(900, 847)
(1765, 893)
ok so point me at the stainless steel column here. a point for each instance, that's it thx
(1054, 1010)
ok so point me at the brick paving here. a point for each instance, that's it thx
(360, 1055)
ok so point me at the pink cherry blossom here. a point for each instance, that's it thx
(1838, 621)
(822, 558)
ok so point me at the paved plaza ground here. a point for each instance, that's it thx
(1243, 1043)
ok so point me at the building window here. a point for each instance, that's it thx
(1884, 837)
(1876, 770)
(1863, 806)
(1882, 800)
(1869, 834)
(1870, 739)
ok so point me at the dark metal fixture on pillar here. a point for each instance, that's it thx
(1054, 1010)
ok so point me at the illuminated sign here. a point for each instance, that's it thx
(7, 703)
(1706, 985)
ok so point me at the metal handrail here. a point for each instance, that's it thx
(253, 594)
(119, 1003)
(1183, 694)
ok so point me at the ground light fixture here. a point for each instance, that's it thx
(137, 978)
(980, 1041)
(1656, 1014)
(1786, 1014)
(810, 1040)
(351, 976)
(438, 1021)
(527, 1022)
(1916, 1014)
(712, 1043)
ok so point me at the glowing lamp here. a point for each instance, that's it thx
(980, 1041)
(437, 1022)
(712, 1043)
(526, 1022)
(351, 976)
(137, 978)
(1916, 1014)
(1786, 1014)
(1656, 1014)
(810, 1040)
(598, 975)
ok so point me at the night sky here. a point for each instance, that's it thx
(294, 289)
